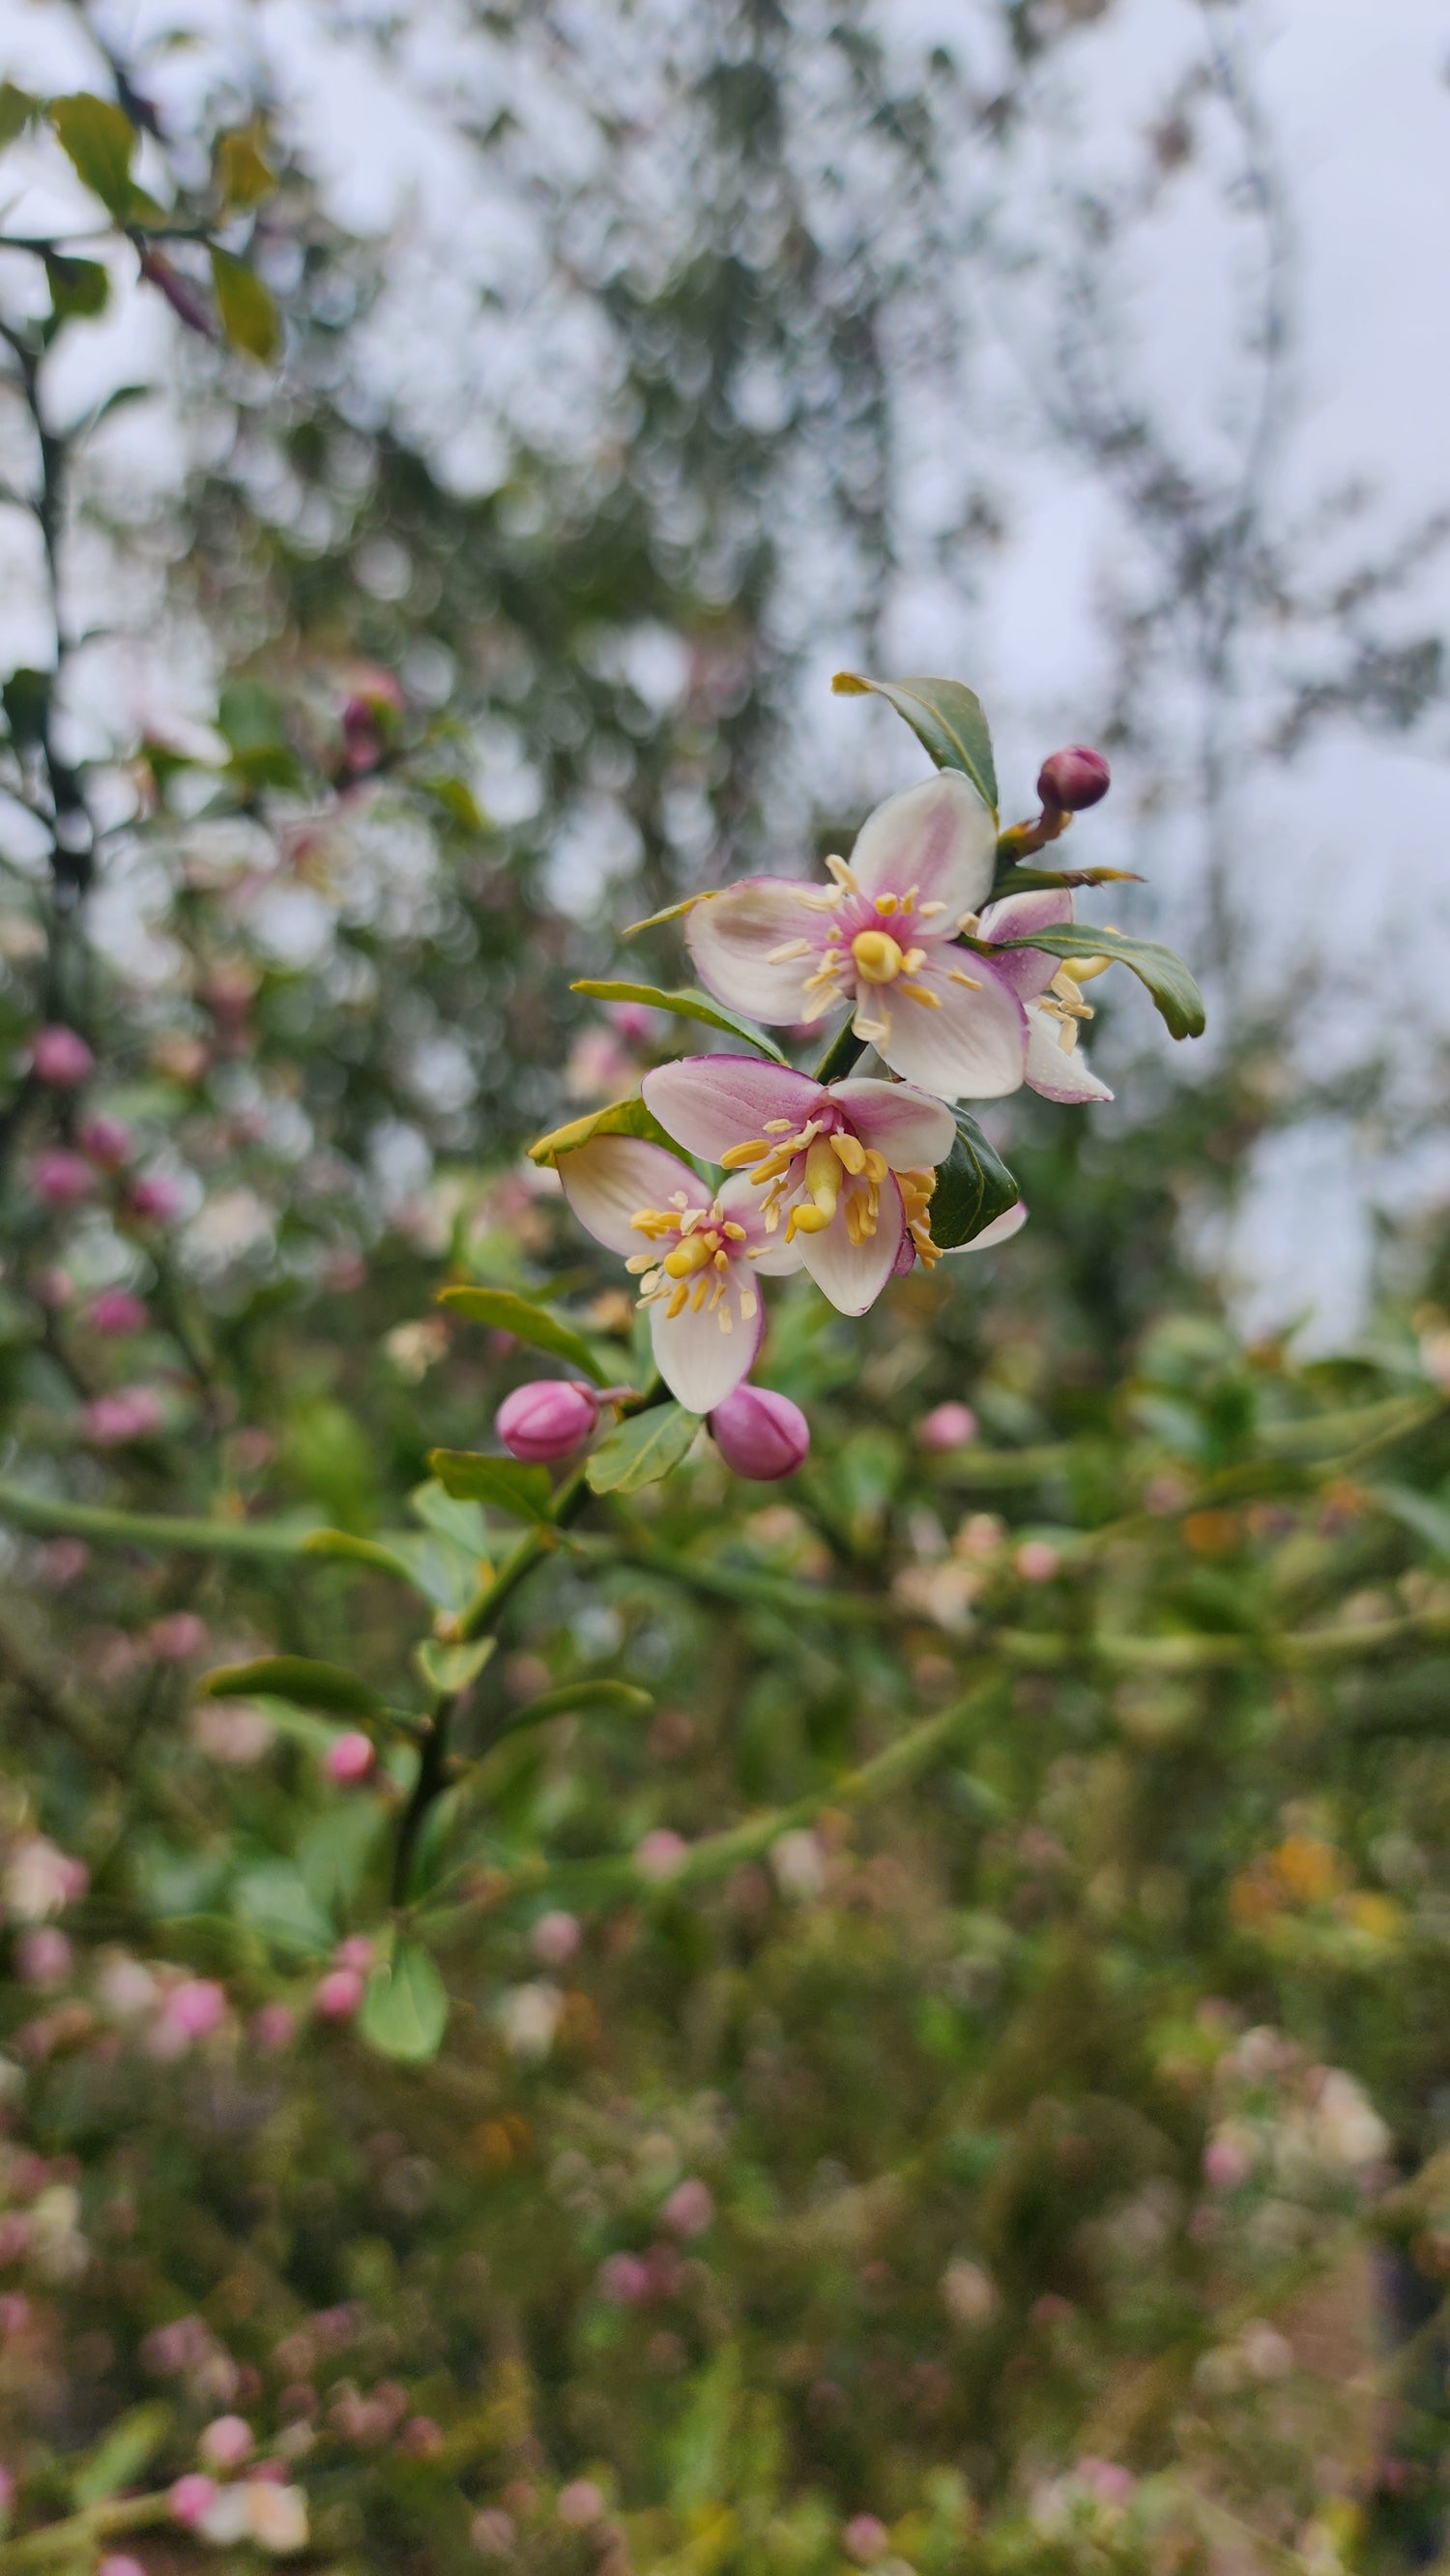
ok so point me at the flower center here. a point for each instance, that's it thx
(695, 1270)
(825, 1167)
(878, 956)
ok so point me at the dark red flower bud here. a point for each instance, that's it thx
(1073, 779)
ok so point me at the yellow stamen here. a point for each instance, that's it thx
(789, 949)
(919, 993)
(885, 904)
(838, 869)
(737, 1155)
(955, 975)
(678, 1302)
(850, 1151)
(692, 1253)
(777, 1127)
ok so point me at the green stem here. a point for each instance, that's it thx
(80, 2531)
(844, 1050)
(48, 1514)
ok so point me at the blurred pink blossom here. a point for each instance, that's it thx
(273, 2027)
(579, 2504)
(947, 1426)
(130, 1413)
(192, 2496)
(690, 2208)
(191, 2011)
(339, 1994)
(43, 1957)
(117, 1312)
(226, 2442)
(61, 1056)
(865, 2539)
(661, 1853)
(555, 1939)
(350, 1758)
(155, 1198)
(105, 1141)
(177, 1637)
(60, 1177)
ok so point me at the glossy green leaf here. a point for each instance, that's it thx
(296, 1677)
(505, 1483)
(439, 1565)
(506, 1312)
(1422, 1513)
(945, 717)
(1028, 880)
(1179, 1000)
(620, 1699)
(122, 2452)
(687, 1004)
(642, 1449)
(461, 1521)
(248, 314)
(447, 1669)
(276, 1900)
(405, 2009)
(99, 140)
(621, 1118)
(242, 176)
(17, 107)
(973, 1188)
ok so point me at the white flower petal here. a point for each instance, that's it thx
(938, 837)
(851, 1274)
(908, 1126)
(700, 1363)
(608, 1181)
(1058, 1072)
(711, 1102)
(1001, 1230)
(770, 1254)
(974, 1047)
(731, 937)
(1027, 970)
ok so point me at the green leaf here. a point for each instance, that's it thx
(1179, 1000)
(120, 2455)
(946, 719)
(1024, 880)
(621, 1118)
(506, 1312)
(16, 110)
(79, 288)
(621, 1699)
(438, 1564)
(334, 1854)
(973, 1187)
(507, 1483)
(460, 1521)
(275, 1899)
(447, 1669)
(688, 1004)
(26, 700)
(405, 2010)
(248, 314)
(643, 1449)
(99, 139)
(457, 800)
(296, 1677)
(242, 176)
(1429, 1519)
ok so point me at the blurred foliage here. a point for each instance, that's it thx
(913, 2031)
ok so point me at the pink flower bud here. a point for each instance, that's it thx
(191, 2497)
(61, 1056)
(339, 1994)
(116, 2563)
(43, 1957)
(865, 2539)
(132, 1413)
(760, 1434)
(350, 1758)
(492, 2532)
(117, 1311)
(947, 1426)
(420, 2438)
(555, 1939)
(273, 2027)
(176, 1638)
(549, 1418)
(1036, 1560)
(107, 1142)
(192, 2010)
(53, 1286)
(626, 2280)
(154, 1198)
(660, 1854)
(1111, 2483)
(1073, 779)
(579, 2504)
(226, 2442)
(690, 2208)
(355, 1952)
(61, 1178)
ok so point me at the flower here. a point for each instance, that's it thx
(947, 1426)
(339, 1994)
(555, 1939)
(117, 1311)
(105, 1141)
(60, 1177)
(61, 1056)
(847, 1165)
(760, 1434)
(548, 1418)
(350, 1758)
(226, 2442)
(706, 1318)
(129, 1413)
(1049, 990)
(922, 864)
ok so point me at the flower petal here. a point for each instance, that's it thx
(938, 837)
(910, 1128)
(700, 1363)
(710, 1102)
(731, 936)
(974, 1047)
(1027, 970)
(770, 1254)
(1001, 1230)
(851, 1274)
(1059, 1073)
(608, 1181)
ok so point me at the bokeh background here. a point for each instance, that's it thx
(1030, 2158)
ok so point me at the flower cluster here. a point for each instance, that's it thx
(833, 1172)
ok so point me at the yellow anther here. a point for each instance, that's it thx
(849, 1151)
(874, 1165)
(919, 993)
(722, 1259)
(806, 1218)
(678, 1301)
(689, 1256)
(877, 956)
(734, 1233)
(749, 1305)
(735, 1156)
(885, 904)
(788, 950)
(777, 1126)
(956, 975)
(703, 1286)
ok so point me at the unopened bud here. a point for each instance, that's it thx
(760, 1434)
(191, 2497)
(61, 1178)
(339, 1994)
(350, 1758)
(947, 1426)
(117, 1311)
(549, 1418)
(61, 1056)
(1073, 779)
(106, 1142)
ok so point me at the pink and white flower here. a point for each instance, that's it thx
(696, 1251)
(843, 1171)
(881, 938)
(1050, 992)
